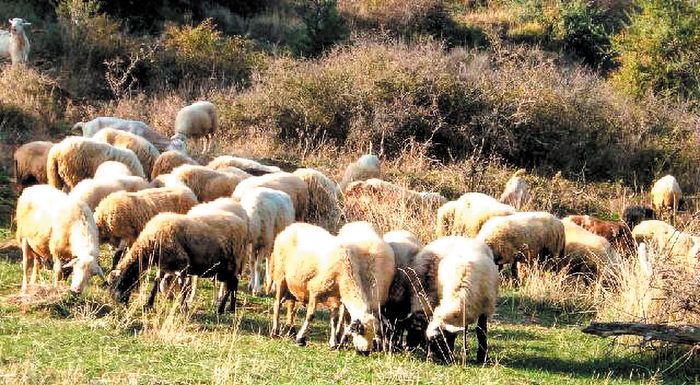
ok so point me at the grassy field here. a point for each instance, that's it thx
(54, 338)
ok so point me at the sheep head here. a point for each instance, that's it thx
(17, 25)
(83, 270)
(363, 333)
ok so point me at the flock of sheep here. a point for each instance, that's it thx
(125, 184)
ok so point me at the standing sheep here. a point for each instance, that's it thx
(324, 205)
(93, 191)
(528, 236)
(250, 166)
(144, 150)
(473, 210)
(76, 158)
(517, 190)
(666, 194)
(205, 183)
(291, 184)
(587, 252)
(364, 168)
(198, 120)
(15, 44)
(269, 212)
(458, 284)
(30, 164)
(52, 226)
(309, 265)
(168, 161)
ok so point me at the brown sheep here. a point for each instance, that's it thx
(30, 164)
(168, 161)
(617, 233)
(205, 183)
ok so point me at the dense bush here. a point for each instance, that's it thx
(660, 49)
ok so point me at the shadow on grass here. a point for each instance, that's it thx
(513, 308)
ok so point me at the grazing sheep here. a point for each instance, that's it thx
(198, 120)
(372, 190)
(291, 184)
(112, 169)
(121, 216)
(51, 226)
(144, 150)
(473, 210)
(15, 44)
(666, 194)
(76, 158)
(397, 309)
(93, 191)
(309, 265)
(587, 252)
(269, 212)
(517, 190)
(364, 168)
(457, 283)
(136, 127)
(527, 236)
(250, 166)
(237, 172)
(324, 205)
(168, 161)
(679, 245)
(30, 164)
(633, 215)
(206, 245)
(617, 233)
(207, 184)
(444, 224)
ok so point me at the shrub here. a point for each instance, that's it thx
(323, 26)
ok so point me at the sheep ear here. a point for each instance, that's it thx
(25, 23)
(71, 263)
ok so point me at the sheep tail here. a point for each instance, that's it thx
(54, 177)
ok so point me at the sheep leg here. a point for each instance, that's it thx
(27, 258)
(186, 284)
(259, 272)
(344, 320)
(334, 321)
(232, 285)
(193, 288)
(223, 298)
(57, 271)
(482, 349)
(291, 315)
(154, 290)
(304, 330)
(117, 256)
(514, 273)
(280, 287)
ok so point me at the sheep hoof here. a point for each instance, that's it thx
(301, 341)
(292, 332)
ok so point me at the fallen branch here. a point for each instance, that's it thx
(683, 334)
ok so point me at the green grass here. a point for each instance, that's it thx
(69, 340)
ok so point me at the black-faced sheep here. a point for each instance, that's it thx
(168, 161)
(309, 265)
(457, 284)
(528, 236)
(324, 195)
(198, 120)
(30, 164)
(76, 158)
(53, 227)
(144, 150)
(633, 215)
(517, 190)
(248, 165)
(364, 168)
(291, 184)
(15, 44)
(207, 184)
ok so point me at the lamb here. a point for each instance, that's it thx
(371, 190)
(364, 168)
(269, 212)
(93, 191)
(136, 127)
(206, 245)
(112, 169)
(666, 194)
(444, 224)
(633, 215)
(324, 205)
(458, 283)
(397, 309)
(291, 184)
(250, 166)
(517, 190)
(30, 164)
(527, 236)
(53, 226)
(207, 184)
(679, 245)
(587, 252)
(15, 44)
(122, 215)
(473, 210)
(168, 161)
(198, 120)
(144, 150)
(309, 265)
(617, 233)
(76, 158)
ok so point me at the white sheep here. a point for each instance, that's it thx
(15, 44)
(666, 194)
(198, 120)
(517, 190)
(667, 240)
(473, 210)
(144, 150)
(587, 252)
(269, 212)
(324, 195)
(112, 169)
(168, 161)
(248, 165)
(93, 191)
(364, 168)
(207, 184)
(291, 184)
(457, 284)
(53, 226)
(444, 225)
